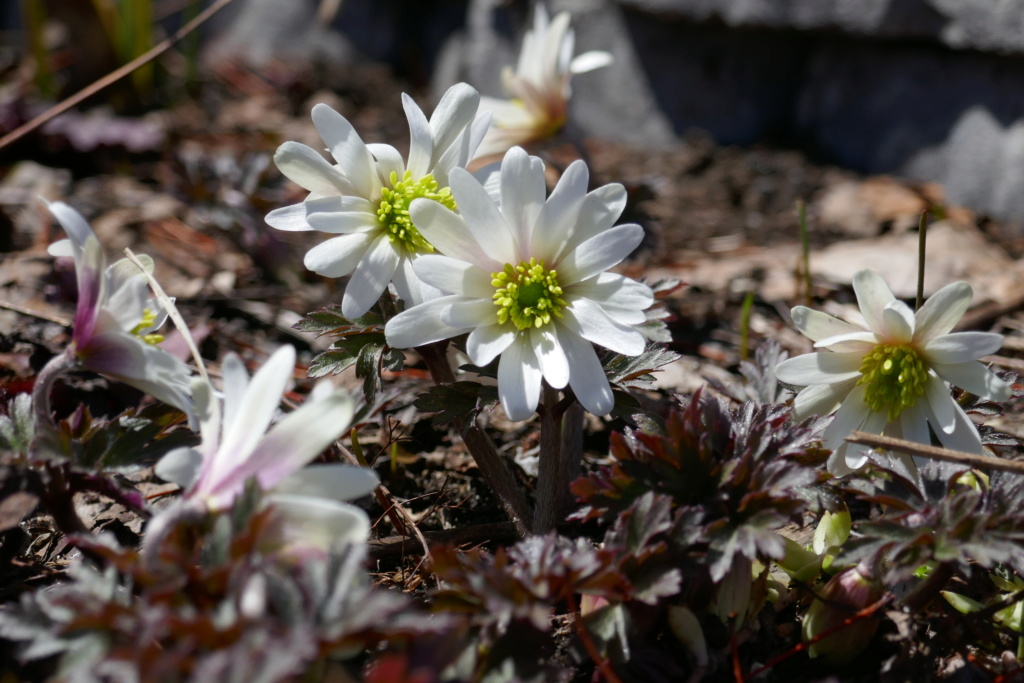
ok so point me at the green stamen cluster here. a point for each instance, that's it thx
(148, 318)
(895, 377)
(393, 213)
(527, 294)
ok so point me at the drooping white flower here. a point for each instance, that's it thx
(115, 322)
(364, 197)
(237, 446)
(539, 87)
(528, 282)
(894, 376)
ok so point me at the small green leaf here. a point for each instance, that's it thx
(451, 401)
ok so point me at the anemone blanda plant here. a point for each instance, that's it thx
(363, 198)
(894, 376)
(237, 446)
(527, 281)
(539, 87)
(115, 322)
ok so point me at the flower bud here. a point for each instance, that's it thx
(843, 596)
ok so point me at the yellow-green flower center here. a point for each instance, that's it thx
(894, 375)
(528, 295)
(148, 318)
(393, 212)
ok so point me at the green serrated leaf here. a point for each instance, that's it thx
(329, 320)
(635, 371)
(451, 401)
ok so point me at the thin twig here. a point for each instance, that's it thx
(922, 238)
(936, 453)
(114, 76)
(63, 322)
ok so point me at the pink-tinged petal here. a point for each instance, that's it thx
(347, 148)
(74, 224)
(964, 436)
(470, 313)
(600, 209)
(599, 253)
(974, 377)
(421, 142)
(389, 160)
(821, 399)
(522, 194)
(588, 320)
(553, 363)
(823, 367)
(557, 219)
(254, 413)
(89, 269)
(586, 376)
(291, 218)
(943, 310)
(872, 296)
(326, 525)
(342, 223)
(588, 61)
(370, 278)
(623, 299)
(456, 110)
(338, 256)
(334, 482)
(306, 168)
(422, 324)
(897, 323)
(482, 216)
(450, 234)
(961, 347)
(817, 325)
(484, 344)
(454, 276)
(519, 380)
(298, 438)
(943, 408)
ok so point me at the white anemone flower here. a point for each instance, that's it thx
(893, 377)
(539, 87)
(115, 322)
(237, 446)
(528, 282)
(364, 197)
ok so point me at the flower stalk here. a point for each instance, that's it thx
(549, 483)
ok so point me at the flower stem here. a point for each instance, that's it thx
(572, 452)
(549, 481)
(480, 446)
(44, 445)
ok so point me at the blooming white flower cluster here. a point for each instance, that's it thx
(540, 85)
(892, 377)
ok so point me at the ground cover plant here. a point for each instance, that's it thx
(390, 404)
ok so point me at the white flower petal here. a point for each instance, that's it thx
(557, 219)
(599, 253)
(600, 209)
(964, 437)
(522, 193)
(850, 416)
(817, 325)
(481, 214)
(897, 323)
(961, 347)
(421, 143)
(422, 324)
(914, 424)
(389, 160)
(454, 276)
(180, 466)
(553, 363)
(456, 110)
(235, 382)
(872, 296)
(519, 379)
(338, 256)
(942, 311)
(450, 234)
(326, 525)
(338, 204)
(411, 289)
(586, 375)
(291, 218)
(470, 313)
(486, 343)
(588, 61)
(306, 168)
(347, 148)
(853, 341)
(821, 399)
(622, 298)
(589, 321)
(823, 367)
(341, 223)
(335, 482)
(974, 377)
(370, 278)
(943, 408)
